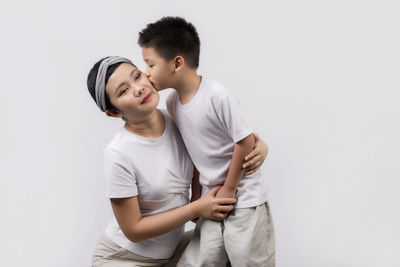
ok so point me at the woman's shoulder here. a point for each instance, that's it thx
(117, 144)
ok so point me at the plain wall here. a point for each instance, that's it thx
(318, 80)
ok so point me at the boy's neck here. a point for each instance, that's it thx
(152, 126)
(188, 85)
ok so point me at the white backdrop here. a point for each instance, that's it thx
(318, 80)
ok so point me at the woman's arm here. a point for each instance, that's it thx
(255, 159)
(137, 228)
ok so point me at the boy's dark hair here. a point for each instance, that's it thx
(91, 81)
(172, 36)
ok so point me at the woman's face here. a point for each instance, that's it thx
(132, 93)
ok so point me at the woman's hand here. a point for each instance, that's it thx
(210, 207)
(256, 158)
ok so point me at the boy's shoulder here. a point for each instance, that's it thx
(217, 93)
(212, 91)
(215, 88)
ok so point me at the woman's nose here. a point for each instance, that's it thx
(139, 91)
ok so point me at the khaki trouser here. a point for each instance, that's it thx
(245, 238)
(109, 254)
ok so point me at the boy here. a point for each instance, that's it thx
(217, 138)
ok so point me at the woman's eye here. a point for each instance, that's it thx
(151, 66)
(137, 76)
(123, 91)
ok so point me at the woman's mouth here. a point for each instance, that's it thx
(146, 98)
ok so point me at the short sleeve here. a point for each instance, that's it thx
(231, 116)
(119, 176)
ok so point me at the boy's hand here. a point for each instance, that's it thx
(225, 192)
(256, 158)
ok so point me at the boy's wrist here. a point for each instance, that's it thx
(229, 188)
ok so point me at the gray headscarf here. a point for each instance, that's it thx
(100, 88)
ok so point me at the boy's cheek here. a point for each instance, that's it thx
(159, 89)
(155, 87)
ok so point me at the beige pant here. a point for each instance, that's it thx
(245, 238)
(109, 254)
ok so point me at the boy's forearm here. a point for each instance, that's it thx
(236, 172)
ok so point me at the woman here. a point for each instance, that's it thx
(148, 172)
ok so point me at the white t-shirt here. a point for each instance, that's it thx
(159, 172)
(210, 125)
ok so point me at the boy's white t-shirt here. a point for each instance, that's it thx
(159, 172)
(210, 125)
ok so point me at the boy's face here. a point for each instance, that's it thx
(131, 92)
(158, 69)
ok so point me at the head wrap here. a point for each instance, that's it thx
(100, 88)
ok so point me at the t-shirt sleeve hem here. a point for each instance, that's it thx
(122, 195)
(241, 135)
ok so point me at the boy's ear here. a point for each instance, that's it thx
(113, 113)
(179, 62)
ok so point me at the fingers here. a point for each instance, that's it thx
(224, 208)
(219, 216)
(253, 168)
(255, 160)
(214, 191)
(250, 172)
(251, 155)
(225, 201)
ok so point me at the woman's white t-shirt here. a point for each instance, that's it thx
(159, 172)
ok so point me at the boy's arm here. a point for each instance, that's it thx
(236, 172)
(255, 159)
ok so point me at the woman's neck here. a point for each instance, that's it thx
(152, 126)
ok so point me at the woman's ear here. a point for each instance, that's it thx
(113, 113)
(179, 62)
